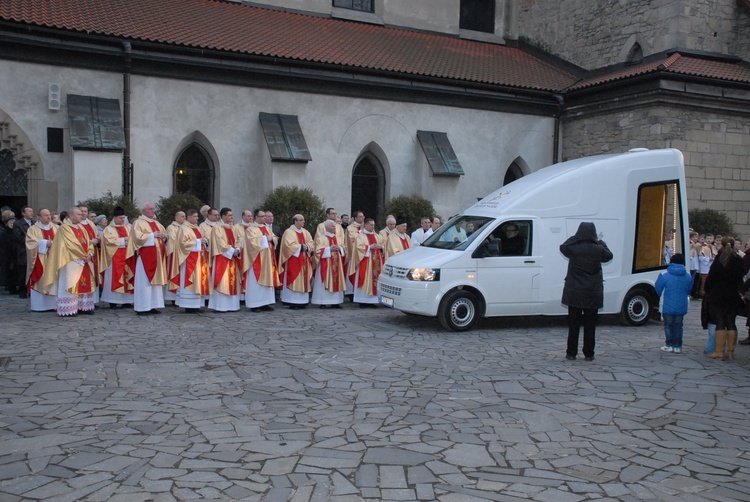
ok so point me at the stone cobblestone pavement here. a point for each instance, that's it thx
(351, 405)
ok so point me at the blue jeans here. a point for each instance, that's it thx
(673, 330)
(711, 342)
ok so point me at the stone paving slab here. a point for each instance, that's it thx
(346, 405)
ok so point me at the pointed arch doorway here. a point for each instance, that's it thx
(368, 187)
(13, 183)
(194, 173)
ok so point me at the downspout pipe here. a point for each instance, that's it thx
(556, 140)
(127, 173)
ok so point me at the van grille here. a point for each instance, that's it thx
(390, 290)
(397, 272)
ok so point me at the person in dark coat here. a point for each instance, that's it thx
(584, 287)
(7, 252)
(722, 287)
(20, 227)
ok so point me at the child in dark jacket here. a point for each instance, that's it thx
(676, 284)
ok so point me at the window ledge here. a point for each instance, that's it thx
(480, 36)
(358, 15)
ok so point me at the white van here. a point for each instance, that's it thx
(472, 266)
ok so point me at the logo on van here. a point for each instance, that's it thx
(493, 201)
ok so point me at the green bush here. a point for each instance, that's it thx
(710, 221)
(286, 201)
(412, 208)
(106, 204)
(168, 206)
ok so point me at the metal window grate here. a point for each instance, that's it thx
(439, 153)
(284, 138)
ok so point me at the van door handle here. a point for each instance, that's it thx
(529, 261)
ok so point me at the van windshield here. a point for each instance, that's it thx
(458, 233)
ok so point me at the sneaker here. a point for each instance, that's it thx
(667, 348)
(677, 350)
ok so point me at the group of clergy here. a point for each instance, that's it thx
(217, 261)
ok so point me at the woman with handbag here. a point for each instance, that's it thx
(723, 296)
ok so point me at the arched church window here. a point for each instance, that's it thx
(513, 173)
(194, 173)
(635, 55)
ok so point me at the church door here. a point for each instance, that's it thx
(368, 187)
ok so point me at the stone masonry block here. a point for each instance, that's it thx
(735, 184)
(716, 137)
(702, 182)
(716, 205)
(717, 195)
(712, 172)
(714, 160)
(736, 139)
(695, 136)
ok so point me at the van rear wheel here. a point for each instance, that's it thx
(458, 310)
(636, 308)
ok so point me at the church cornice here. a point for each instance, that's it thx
(660, 89)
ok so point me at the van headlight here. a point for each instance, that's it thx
(423, 274)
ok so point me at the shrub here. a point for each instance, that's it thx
(286, 201)
(106, 204)
(710, 221)
(412, 208)
(168, 206)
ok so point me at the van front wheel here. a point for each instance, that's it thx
(458, 311)
(636, 308)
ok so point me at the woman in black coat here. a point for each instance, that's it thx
(584, 287)
(722, 287)
(7, 253)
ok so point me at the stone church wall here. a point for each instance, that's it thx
(716, 149)
(597, 34)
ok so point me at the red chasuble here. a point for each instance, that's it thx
(225, 265)
(376, 257)
(336, 262)
(149, 254)
(123, 270)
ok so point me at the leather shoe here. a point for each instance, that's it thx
(570, 358)
(746, 341)
(589, 358)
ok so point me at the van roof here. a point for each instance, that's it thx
(576, 186)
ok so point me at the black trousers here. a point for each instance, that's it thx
(578, 317)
